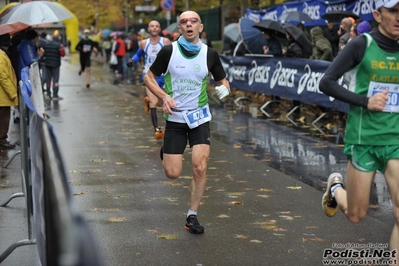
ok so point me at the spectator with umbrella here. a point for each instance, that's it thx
(299, 46)
(273, 46)
(269, 29)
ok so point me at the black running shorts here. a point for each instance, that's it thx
(176, 135)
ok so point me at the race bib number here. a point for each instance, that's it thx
(87, 47)
(392, 104)
(197, 117)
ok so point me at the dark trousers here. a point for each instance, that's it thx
(5, 116)
(52, 79)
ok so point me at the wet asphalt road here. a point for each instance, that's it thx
(262, 205)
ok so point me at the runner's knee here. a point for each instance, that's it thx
(356, 216)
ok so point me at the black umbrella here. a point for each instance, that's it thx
(268, 24)
(295, 16)
(300, 36)
(338, 15)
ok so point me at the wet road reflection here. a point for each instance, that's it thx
(294, 152)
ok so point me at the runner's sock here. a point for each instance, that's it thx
(191, 212)
(154, 117)
(333, 188)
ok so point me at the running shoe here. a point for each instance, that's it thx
(330, 205)
(146, 105)
(159, 133)
(193, 225)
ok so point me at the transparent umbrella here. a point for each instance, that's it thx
(298, 16)
(232, 31)
(172, 28)
(35, 13)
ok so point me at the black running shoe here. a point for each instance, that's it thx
(193, 225)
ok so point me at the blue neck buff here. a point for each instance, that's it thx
(190, 47)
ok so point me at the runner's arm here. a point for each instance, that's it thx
(348, 58)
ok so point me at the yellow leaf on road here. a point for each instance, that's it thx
(116, 219)
(294, 187)
(163, 236)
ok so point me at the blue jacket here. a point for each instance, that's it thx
(27, 54)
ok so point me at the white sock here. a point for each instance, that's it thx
(191, 212)
(333, 188)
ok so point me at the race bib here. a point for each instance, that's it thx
(392, 104)
(87, 47)
(197, 117)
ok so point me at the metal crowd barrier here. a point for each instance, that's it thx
(60, 233)
(25, 178)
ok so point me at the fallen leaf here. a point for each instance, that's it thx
(285, 217)
(317, 239)
(119, 163)
(264, 196)
(255, 241)
(116, 219)
(105, 210)
(250, 155)
(294, 187)
(223, 216)
(156, 231)
(101, 160)
(95, 171)
(172, 199)
(241, 237)
(79, 193)
(268, 226)
(169, 237)
(279, 229)
(311, 227)
(265, 190)
(76, 171)
(172, 184)
(288, 160)
(121, 196)
(237, 202)
(236, 194)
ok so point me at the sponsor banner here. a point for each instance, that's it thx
(315, 9)
(290, 78)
